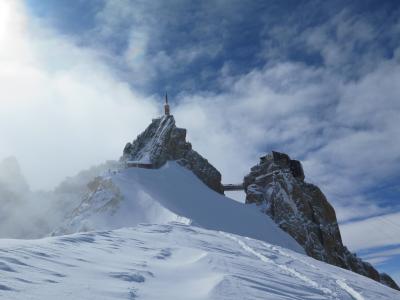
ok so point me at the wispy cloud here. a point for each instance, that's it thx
(373, 232)
(382, 256)
(376, 240)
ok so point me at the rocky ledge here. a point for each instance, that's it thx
(302, 210)
(163, 141)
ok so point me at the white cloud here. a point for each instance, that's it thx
(380, 257)
(61, 109)
(338, 38)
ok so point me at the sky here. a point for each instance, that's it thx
(315, 79)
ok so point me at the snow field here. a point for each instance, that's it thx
(171, 261)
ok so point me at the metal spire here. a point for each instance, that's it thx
(166, 105)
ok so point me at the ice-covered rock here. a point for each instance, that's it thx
(301, 209)
(163, 141)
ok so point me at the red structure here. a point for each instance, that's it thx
(166, 105)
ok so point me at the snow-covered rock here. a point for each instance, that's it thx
(301, 209)
(163, 141)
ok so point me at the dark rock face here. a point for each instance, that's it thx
(302, 210)
(163, 141)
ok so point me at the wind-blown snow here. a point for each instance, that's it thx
(172, 261)
(173, 193)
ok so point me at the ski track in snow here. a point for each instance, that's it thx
(340, 282)
(282, 267)
(348, 289)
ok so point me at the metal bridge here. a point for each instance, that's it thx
(139, 164)
(233, 187)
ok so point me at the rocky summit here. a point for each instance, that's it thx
(163, 141)
(277, 184)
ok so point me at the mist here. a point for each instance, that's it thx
(29, 214)
(61, 109)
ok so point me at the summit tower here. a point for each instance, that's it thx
(166, 106)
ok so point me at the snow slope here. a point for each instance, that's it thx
(171, 193)
(171, 261)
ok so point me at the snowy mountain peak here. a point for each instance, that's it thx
(11, 176)
(163, 141)
(302, 210)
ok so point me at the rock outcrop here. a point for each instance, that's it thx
(302, 210)
(163, 141)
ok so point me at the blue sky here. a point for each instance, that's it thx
(315, 79)
(203, 37)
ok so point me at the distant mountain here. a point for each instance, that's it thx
(11, 177)
(277, 186)
(21, 210)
